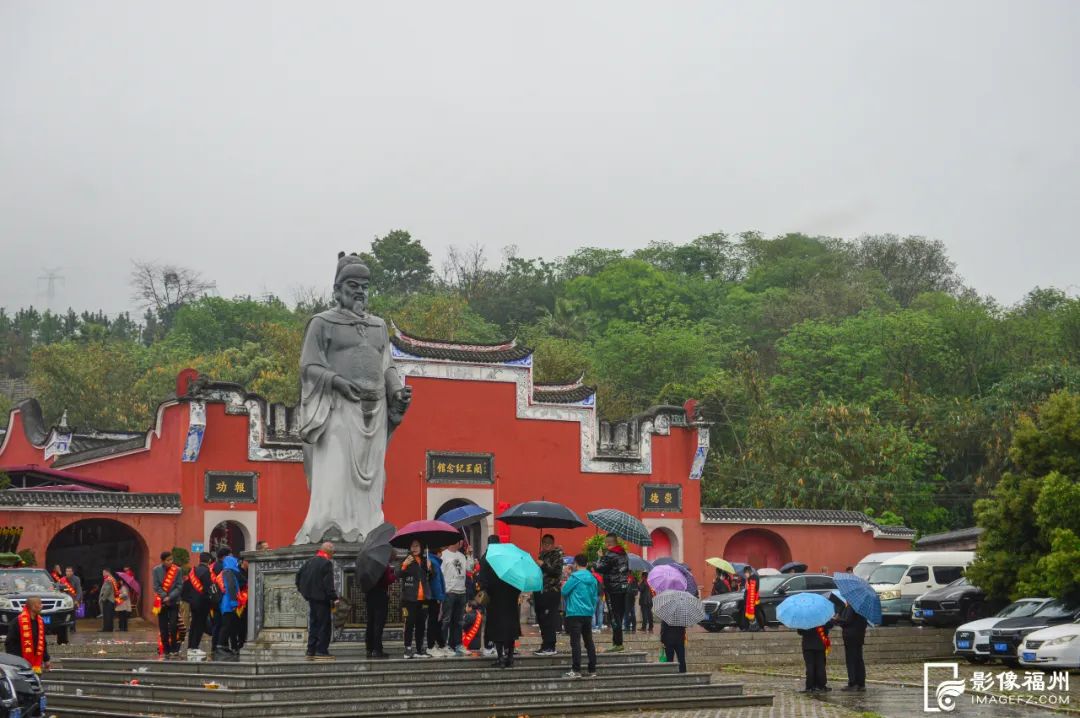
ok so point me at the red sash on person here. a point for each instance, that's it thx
(194, 581)
(241, 601)
(166, 585)
(66, 585)
(323, 554)
(824, 639)
(473, 629)
(752, 599)
(31, 651)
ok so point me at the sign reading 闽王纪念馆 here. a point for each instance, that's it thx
(232, 486)
(661, 497)
(458, 468)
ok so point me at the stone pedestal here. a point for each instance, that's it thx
(278, 614)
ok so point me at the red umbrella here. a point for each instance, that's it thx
(434, 534)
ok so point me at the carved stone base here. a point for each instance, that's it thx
(277, 613)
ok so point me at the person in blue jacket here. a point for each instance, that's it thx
(581, 592)
(229, 638)
(434, 615)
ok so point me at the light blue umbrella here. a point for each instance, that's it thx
(514, 566)
(860, 595)
(805, 610)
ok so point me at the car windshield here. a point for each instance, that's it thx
(863, 570)
(958, 583)
(1056, 609)
(1019, 609)
(769, 583)
(23, 581)
(889, 574)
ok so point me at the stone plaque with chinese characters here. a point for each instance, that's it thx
(457, 468)
(661, 497)
(232, 487)
(283, 606)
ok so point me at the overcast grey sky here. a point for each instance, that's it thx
(253, 140)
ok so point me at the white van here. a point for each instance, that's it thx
(903, 578)
(870, 561)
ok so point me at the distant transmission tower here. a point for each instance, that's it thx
(51, 277)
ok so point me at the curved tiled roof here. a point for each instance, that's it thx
(497, 353)
(801, 516)
(574, 392)
(92, 501)
(958, 535)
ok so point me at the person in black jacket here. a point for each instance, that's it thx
(815, 647)
(645, 602)
(196, 593)
(415, 574)
(377, 600)
(547, 600)
(614, 568)
(315, 581)
(503, 615)
(854, 633)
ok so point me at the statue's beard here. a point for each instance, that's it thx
(356, 305)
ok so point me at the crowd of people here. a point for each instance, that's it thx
(454, 604)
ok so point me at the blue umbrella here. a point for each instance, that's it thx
(805, 610)
(464, 515)
(514, 566)
(860, 595)
(637, 563)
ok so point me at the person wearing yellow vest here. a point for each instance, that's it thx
(415, 574)
(26, 636)
(167, 583)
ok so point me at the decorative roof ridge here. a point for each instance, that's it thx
(737, 514)
(405, 337)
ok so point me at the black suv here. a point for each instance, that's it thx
(1007, 635)
(950, 605)
(19, 584)
(726, 609)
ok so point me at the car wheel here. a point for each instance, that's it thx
(1011, 662)
(971, 611)
(713, 629)
(888, 621)
(978, 660)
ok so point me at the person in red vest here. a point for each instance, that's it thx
(65, 584)
(167, 584)
(196, 592)
(26, 636)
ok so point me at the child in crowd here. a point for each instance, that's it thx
(673, 638)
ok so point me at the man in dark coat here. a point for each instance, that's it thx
(547, 600)
(753, 616)
(503, 616)
(614, 568)
(377, 600)
(415, 575)
(854, 632)
(815, 647)
(198, 585)
(315, 581)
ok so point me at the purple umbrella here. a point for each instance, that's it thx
(130, 580)
(433, 534)
(666, 578)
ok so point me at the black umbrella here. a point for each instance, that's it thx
(374, 556)
(793, 567)
(541, 515)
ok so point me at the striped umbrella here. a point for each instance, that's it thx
(622, 525)
(678, 608)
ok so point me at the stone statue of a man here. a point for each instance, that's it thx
(351, 399)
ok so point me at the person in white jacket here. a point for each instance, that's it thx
(455, 565)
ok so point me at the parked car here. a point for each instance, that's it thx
(870, 561)
(25, 685)
(726, 609)
(972, 640)
(1006, 636)
(1055, 647)
(955, 603)
(903, 578)
(19, 584)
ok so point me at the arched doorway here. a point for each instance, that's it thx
(231, 534)
(473, 532)
(664, 544)
(91, 545)
(760, 548)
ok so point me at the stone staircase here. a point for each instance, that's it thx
(102, 687)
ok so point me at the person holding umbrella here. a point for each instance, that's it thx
(853, 628)
(546, 601)
(645, 600)
(503, 617)
(810, 614)
(415, 574)
(614, 568)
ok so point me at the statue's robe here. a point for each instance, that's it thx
(345, 441)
